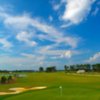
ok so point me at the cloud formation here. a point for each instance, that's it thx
(76, 11)
(5, 43)
(94, 58)
(26, 37)
(24, 21)
(32, 31)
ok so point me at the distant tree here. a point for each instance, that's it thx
(51, 69)
(66, 68)
(72, 67)
(87, 67)
(3, 80)
(96, 67)
(41, 69)
(10, 79)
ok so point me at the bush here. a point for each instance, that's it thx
(10, 79)
(3, 80)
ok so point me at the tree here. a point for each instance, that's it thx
(51, 69)
(41, 69)
(96, 67)
(66, 68)
(3, 80)
(10, 79)
(73, 67)
(87, 67)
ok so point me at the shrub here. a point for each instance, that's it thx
(3, 80)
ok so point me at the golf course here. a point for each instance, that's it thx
(58, 86)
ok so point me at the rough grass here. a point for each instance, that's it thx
(75, 87)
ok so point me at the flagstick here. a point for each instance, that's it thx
(60, 90)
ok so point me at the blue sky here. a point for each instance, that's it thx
(36, 33)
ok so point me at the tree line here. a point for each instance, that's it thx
(48, 69)
(75, 67)
(86, 67)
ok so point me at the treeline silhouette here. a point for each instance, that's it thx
(74, 67)
(7, 71)
(86, 67)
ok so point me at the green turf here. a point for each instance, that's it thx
(75, 87)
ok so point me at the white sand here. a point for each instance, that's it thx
(18, 90)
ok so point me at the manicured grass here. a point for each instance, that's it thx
(75, 87)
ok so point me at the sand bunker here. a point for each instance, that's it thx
(21, 89)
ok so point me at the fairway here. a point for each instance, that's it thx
(74, 87)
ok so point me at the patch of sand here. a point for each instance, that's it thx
(21, 89)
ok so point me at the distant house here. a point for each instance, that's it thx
(80, 71)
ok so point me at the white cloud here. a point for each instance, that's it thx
(47, 50)
(3, 13)
(32, 56)
(28, 55)
(52, 34)
(56, 6)
(20, 25)
(56, 36)
(68, 54)
(77, 10)
(19, 22)
(66, 25)
(56, 53)
(94, 58)
(64, 54)
(5, 43)
(73, 41)
(25, 37)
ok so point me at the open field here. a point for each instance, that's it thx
(75, 87)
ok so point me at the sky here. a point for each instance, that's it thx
(36, 33)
